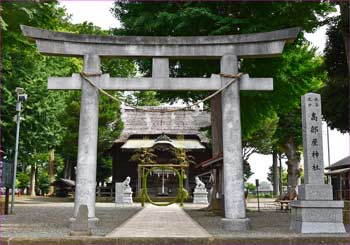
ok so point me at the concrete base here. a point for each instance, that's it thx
(317, 217)
(200, 197)
(127, 198)
(92, 227)
(317, 227)
(235, 224)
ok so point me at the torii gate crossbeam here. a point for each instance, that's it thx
(226, 48)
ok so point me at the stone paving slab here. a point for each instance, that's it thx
(155, 221)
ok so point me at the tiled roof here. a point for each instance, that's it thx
(345, 162)
(189, 122)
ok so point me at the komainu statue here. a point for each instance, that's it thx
(200, 194)
(199, 183)
(126, 182)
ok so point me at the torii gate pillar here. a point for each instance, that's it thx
(235, 213)
(85, 184)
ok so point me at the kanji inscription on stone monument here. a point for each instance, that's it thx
(312, 138)
(315, 211)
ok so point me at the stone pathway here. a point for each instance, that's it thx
(154, 221)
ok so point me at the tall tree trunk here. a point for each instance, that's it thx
(67, 174)
(32, 180)
(280, 174)
(275, 174)
(293, 164)
(51, 170)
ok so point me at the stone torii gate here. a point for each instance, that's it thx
(226, 48)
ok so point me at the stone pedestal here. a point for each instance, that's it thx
(127, 196)
(92, 226)
(123, 195)
(80, 226)
(235, 224)
(317, 216)
(315, 211)
(200, 196)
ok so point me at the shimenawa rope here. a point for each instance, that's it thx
(86, 76)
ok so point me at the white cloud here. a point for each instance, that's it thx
(318, 39)
(97, 12)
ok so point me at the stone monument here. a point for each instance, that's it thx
(123, 192)
(80, 226)
(315, 211)
(200, 194)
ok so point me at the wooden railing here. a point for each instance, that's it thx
(342, 194)
(108, 191)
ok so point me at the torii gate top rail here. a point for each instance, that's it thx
(243, 45)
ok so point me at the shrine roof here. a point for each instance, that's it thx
(187, 123)
(343, 163)
(191, 144)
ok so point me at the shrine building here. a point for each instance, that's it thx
(161, 131)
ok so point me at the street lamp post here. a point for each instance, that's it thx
(20, 98)
(257, 192)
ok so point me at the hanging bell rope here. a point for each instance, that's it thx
(86, 76)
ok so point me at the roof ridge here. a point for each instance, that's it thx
(161, 108)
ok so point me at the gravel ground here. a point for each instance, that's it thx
(267, 223)
(262, 222)
(52, 219)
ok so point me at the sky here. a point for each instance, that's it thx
(98, 12)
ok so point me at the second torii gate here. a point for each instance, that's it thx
(226, 48)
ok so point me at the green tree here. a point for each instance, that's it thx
(247, 171)
(24, 67)
(335, 93)
(250, 187)
(177, 19)
(262, 140)
(296, 72)
(143, 98)
(110, 124)
(303, 71)
(22, 180)
(50, 118)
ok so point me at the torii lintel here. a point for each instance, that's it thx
(243, 45)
